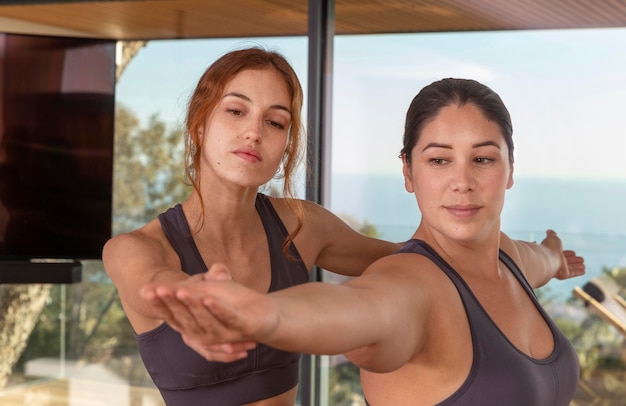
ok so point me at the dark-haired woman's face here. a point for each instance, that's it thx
(459, 173)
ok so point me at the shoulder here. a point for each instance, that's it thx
(150, 233)
(531, 259)
(511, 248)
(311, 213)
(410, 270)
(147, 240)
(282, 204)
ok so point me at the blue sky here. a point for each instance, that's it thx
(565, 89)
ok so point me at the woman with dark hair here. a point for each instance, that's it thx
(451, 318)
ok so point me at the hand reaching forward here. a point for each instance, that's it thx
(217, 317)
(572, 265)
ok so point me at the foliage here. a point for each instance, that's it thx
(598, 344)
(20, 305)
(85, 322)
(148, 170)
(601, 349)
(344, 385)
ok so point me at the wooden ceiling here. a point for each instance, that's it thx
(172, 19)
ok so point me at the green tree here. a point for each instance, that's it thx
(148, 170)
(601, 348)
(22, 305)
(84, 322)
(87, 319)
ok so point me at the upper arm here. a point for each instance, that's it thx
(340, 248)
(400, 302)
(538, 262)
(131, 260)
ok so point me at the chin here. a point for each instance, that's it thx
(465, 234)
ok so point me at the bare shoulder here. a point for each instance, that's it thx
(407, 267)
(511, 248)
(284, 205)
(135, 258)
(312, 213)
(148, 241)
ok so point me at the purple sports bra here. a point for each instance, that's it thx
(500, 373)
(185, 378)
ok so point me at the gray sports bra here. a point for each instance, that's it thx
(185, 378)
(501, 374)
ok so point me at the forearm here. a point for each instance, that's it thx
(315, 318)
(320, 318)
(541, 262)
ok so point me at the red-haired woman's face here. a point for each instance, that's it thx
(244, 138)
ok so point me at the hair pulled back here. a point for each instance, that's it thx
(427, 104)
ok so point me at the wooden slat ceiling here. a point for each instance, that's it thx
(172, 19)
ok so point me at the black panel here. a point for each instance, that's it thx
(57, 107)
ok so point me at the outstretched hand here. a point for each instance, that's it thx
(572, 265)
(214, 315)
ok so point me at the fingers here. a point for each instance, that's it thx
(226, 315)
(182, 307)
(192, 317)
(197, 319)
(209, 311)
(176, 304)
(175, 312)
(154, 295)
(573, 265)
(220, 352)
(573, 259)
(218, 272)
(552, 241)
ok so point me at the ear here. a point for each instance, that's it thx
(510, 182)
(201, 134)
(406, 172)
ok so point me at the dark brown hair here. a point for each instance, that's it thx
(427, 104)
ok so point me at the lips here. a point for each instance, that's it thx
(463, 210)
(249, 154)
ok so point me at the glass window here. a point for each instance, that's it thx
(565, 90)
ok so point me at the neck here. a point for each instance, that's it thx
(221, 216)
(477, 257)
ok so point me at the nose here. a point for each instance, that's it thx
(463, 179)
(254, 130)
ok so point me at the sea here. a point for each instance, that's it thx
(588, 214)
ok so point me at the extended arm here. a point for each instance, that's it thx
(548, 260)
(357, 318)
(133, 259)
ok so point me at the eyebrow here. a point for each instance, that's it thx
(249, 100)
(447, 146)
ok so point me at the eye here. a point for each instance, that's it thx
(438, 161)
(275, 124)
(235, 112)
(484, 160)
